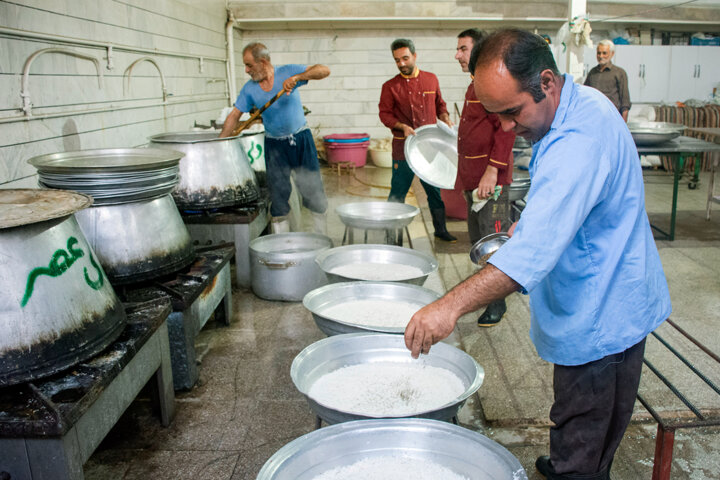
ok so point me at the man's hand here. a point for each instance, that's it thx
(407, 130)
(289, 84)
(486, 187)
(428, 326)
(445, 117)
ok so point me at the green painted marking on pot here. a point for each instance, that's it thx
(60, 262)
(254, 147)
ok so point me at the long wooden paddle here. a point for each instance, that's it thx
(255, 115)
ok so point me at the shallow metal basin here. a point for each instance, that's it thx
(518, 188)
(377, 215)
(332, 353)
(383, 254)
(321, 299)
(487, 245)
(461, 450)
(432, 154)
(654, 133)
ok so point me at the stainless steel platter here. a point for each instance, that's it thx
(321, 299)
(654, 133)
(463, 451)
(332, 353)
(377, 215)
(486, 246)
(382, 254)
(111, 176)
(432, 154)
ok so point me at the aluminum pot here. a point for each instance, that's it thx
(138, 241)
(214, 172)
(57, 305)
(283, 267)
(253, 143)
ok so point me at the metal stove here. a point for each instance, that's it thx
(196, 292)
(50, 427)
(238, 225)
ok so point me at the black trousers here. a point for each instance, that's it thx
(592, 408)
(402, 177)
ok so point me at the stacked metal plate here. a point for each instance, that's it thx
(654, 133)
(111, 176)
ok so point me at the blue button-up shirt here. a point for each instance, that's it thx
(583, 247)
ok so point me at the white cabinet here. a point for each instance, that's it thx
(693, 72)
(647, 69)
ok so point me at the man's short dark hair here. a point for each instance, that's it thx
(402, 43)
(525, 55)
(476, 34)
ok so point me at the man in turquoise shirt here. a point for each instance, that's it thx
(582, 248)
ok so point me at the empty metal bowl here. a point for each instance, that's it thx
(377, 215)
(518, 188)
(654, 133)
(321, 299)
(463, 451)
(382, 254)
(332, 353)
(432, 154)
(486, 246)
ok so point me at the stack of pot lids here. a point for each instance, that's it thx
(24, 206)
(111, 176)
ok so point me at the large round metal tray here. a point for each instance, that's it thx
(332, 353)
(190, 137)
(111, 176)
(321, 299)
(24, 206)
(654, 133)
(461, 450)
(377, 215)
(383, 254)
(432, 154)
(107, 160)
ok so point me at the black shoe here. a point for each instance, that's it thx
(542, 464)
(445, 236)
(492, 314)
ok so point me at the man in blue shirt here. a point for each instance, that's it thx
(289, 145)
(582, 248)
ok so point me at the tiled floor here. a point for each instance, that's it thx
(245, 406)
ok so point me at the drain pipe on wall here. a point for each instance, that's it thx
(230, 60)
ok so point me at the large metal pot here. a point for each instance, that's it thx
(214, 173)
(253, 143)
(57, 307)
(138, 241)
(134, 227)
(283, 267)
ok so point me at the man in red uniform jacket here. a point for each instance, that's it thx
(409, 100)
(484, 161)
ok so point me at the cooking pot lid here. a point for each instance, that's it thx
(107, 159)
(24, 206)
(432, 154)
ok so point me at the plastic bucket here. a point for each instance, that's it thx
(347, 152)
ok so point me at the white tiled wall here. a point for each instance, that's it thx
(68, 86)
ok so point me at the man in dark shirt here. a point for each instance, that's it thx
(610, 79)
(410, 100)
(484, 161)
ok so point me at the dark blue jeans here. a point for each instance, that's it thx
(296, 156)
(402, 177)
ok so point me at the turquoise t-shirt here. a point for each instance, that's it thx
(285, 116)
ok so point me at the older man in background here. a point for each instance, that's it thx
(484, 161)
(410, 100)
(610, 79)
(289, 145)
